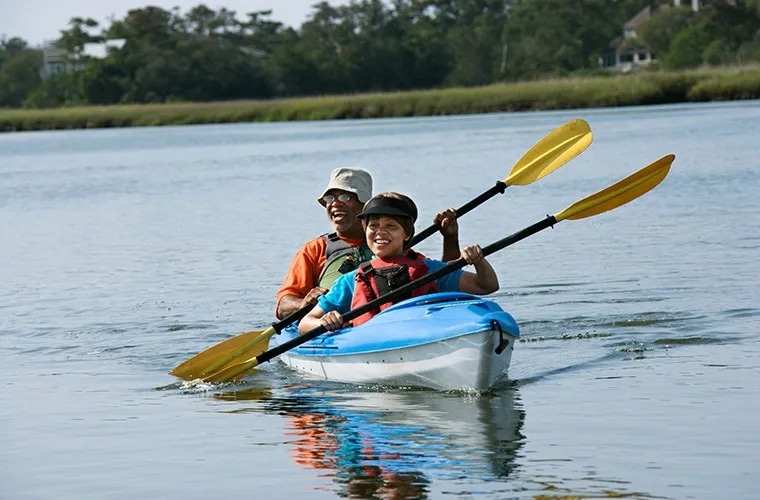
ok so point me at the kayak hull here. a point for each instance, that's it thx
(443, 341)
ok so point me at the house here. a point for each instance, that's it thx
(56, 59)
(626, 53)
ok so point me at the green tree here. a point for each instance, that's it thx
(687, 48)
(81, 32)
(325, 38)
(296, 69)
(427, 57)
(731, 25)
(660, 30)
(201, 20)
(366, 45)
(58, 90)
(474, 39)
(103, 81)
(10, 47)
(749, 52)
(718, 52)
(558, 36)
(19, 71)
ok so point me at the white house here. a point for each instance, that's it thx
(624, 53)
(56, 59)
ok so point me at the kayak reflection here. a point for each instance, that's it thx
(394, 444)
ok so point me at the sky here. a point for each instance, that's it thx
(39, 20)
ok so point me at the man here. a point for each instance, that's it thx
(320, 261)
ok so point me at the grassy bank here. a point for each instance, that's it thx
(708, 84)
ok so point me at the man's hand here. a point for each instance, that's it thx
(312, 296)
(289, 304)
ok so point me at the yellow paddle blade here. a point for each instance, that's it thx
(619, 193)
(233, 372)
(223, 354)
(252, 352)
(554, 150)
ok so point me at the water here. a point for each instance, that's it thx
(124, 252)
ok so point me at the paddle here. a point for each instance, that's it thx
(607, 199)
(557, 148)
(228, 351)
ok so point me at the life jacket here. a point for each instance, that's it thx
(341, 259)
(379, 277)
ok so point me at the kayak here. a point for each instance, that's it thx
(443, 341)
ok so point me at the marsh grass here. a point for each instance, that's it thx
(706, 84)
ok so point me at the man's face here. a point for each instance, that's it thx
(342, 208)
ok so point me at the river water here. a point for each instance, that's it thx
(125, 251)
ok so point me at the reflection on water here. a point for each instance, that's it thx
(393, 444)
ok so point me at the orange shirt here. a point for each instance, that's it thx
(306, 267)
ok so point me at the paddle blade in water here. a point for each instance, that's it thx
(547, 155)
(619, 193)
(223, 354)
(233, 372)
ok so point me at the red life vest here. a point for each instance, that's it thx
(379, 277)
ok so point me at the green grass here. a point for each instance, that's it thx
(655, 87)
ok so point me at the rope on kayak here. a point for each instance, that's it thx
(503, 338)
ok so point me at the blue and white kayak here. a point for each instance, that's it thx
(444, 341)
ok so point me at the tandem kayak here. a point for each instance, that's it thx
(444, 341)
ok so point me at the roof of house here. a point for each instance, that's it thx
(643, 15)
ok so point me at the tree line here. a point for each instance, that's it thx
(365, 46)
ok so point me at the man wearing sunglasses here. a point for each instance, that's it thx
(320, 261)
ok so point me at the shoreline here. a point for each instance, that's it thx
(645, 88)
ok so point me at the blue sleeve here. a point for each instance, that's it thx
(340, 295)
(447, 283)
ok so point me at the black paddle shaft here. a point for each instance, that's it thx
(549, 221)
(292, 318)
(499, 188)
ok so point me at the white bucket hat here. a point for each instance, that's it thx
(353, 180)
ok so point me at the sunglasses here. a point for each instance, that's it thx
(342, 197)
